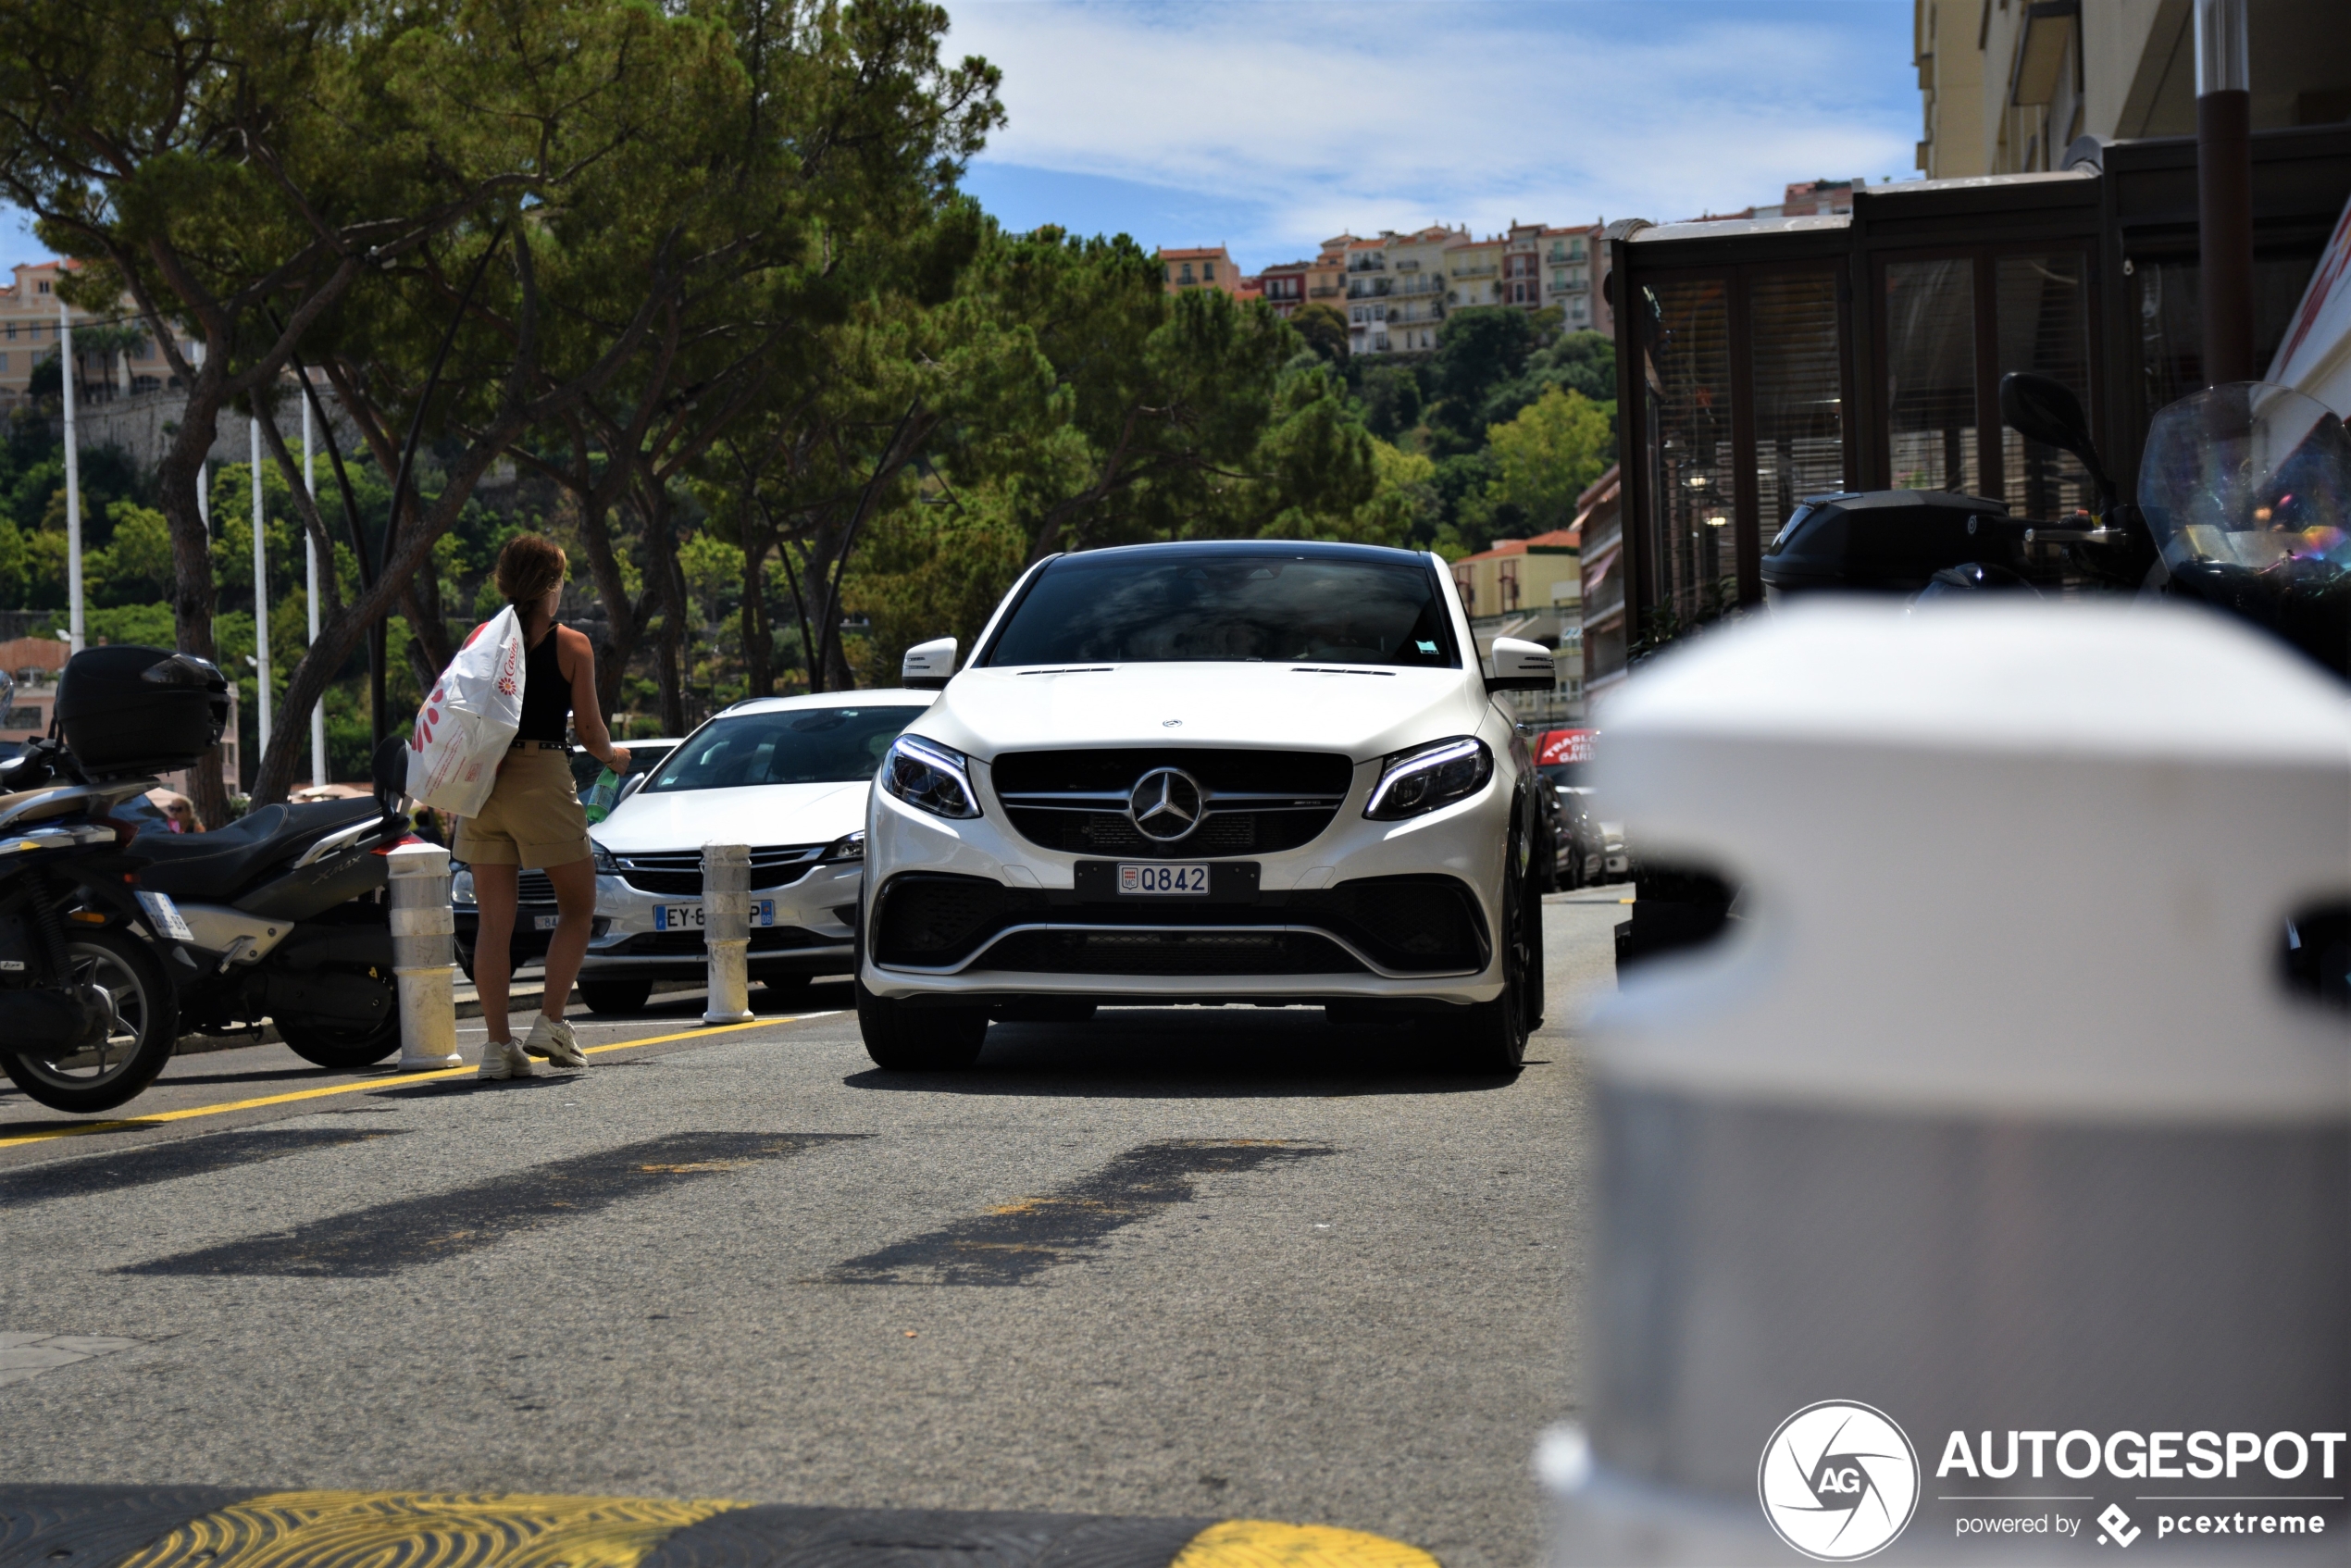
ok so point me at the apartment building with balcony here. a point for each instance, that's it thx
(1599, 523)
(1326, 274)
(2009, 88)
(1473, 272)
(28, 335)
(1200, 266)
(1520, 281)
(1569, 281)
(1283, 285)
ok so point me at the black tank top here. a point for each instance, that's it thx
(546, 695)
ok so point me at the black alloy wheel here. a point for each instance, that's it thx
(141, 1032)
(341, 1046)
(615, 996)
(1492, 1038)
(919, 1039)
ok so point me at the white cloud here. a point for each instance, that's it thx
(1326, 117)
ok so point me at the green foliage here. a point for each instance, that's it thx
(1324, 331)
(1543, 458)
(136, 568)
(1478, 350)
(1391, 398)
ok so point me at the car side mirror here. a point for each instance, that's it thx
(635, 782)
(1516, 665)
(929, 666)
(2041, 408)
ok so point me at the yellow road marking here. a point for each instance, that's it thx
(1265, 1543)
(160, 1118)
(309, 1529)
(1624, 900)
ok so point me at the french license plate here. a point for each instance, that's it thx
(1157, 878)
(689, 916)
(167, 916)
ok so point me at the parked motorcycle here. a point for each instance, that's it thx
(87, 1006)
(282, 914)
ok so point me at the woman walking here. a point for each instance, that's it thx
(533, 819)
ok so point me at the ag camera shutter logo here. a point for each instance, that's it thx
(1838, 1481)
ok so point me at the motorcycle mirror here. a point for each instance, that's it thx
(2044, 409)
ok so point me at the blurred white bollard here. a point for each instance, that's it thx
(726, 934)
(424, 957)
(1994, 1128)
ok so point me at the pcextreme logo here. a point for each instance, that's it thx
(1838, 1481)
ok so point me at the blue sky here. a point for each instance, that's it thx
(1267, 125)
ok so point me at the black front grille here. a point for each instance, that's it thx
(680, 873)
(1420, 925)
(1169, 953)
(533, 886)
(1257, 803)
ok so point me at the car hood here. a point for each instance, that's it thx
(671, 820)
(1361, 712)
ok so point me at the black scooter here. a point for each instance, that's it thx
(86, 1006)
(282, 915)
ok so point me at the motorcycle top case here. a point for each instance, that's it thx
(465, 728)
(130, 710)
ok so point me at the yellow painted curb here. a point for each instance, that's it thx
(385, 1080)
(424, 1530)
(1264, 1543)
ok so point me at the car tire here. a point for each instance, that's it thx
(615, 996)
(919, 1039)
(1492, 1039)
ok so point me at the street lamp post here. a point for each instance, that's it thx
(73, 486)
(310, 542)
(260, 596)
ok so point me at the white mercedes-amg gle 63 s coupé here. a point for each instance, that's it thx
(1256, 772)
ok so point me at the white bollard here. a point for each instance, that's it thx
(424, 957)
(1994, 1129)
(726, 934)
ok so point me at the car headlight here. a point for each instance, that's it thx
(461, 886)
(850, 847)
(1420, 780)
(930, 777)
(601, 859)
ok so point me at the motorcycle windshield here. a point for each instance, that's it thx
(2251, 476)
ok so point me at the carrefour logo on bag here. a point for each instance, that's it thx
(1838, 1481)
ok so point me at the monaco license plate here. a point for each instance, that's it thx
(689, 916)
(1160, 878)
(546, 922)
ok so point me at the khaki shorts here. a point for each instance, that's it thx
(532, 818)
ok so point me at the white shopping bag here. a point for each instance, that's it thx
(467, 725)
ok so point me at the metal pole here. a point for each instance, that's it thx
(424, 957)
(726, 909)
(2224, 189)
(73, 487)
(310, 546)
(260, 603)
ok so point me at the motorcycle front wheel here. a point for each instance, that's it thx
(140, 1036)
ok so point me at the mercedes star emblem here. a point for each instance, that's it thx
(1165, 804)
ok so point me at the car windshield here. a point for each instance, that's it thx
(1162, 608)
(792, 746)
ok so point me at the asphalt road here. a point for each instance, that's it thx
(1227, 1262)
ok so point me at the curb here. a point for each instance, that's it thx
(221, 1528)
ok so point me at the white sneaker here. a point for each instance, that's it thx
(504, 1058)
(552, 1038)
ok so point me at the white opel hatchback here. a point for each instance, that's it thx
(1238, 771)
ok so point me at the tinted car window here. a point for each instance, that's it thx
(794, 746)
(1568, 773)
(1171, 608)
